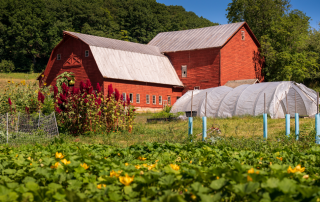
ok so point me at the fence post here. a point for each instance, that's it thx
(265, 123)
(317, 122)
(287, 118)
(296, 117)
(7, 129)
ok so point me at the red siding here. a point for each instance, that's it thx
(240, 58)
(202, 67)
(144, 89)
(87, 67)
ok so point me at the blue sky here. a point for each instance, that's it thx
(215, 10)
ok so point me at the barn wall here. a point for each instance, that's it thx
(144, 89)
(202, 67)
(73, 60)
(240, 58)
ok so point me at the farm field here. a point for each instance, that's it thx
(16, 77)
(273, 171)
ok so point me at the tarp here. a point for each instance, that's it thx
(251, 100)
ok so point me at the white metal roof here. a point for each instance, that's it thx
(130, 61)
(207, 37)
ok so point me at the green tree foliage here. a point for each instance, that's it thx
(6, 66)
(29, 30)
(284, 35)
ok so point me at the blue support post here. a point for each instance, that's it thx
(287, 125)
(204, 128)
(265, 126)
(190, 124)
(317, 129)
(297, 125)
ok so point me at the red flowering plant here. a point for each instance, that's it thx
(81, 110)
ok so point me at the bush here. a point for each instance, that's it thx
(6, 66)
(165, 113)
(83, 110)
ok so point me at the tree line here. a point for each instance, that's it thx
(29, 30)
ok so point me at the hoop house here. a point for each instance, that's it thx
(225, 102)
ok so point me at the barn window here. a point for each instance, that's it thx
(58, 56)
(154, 101)
(131, 97)
(124, 96)
(184, 70)
(242, 35)
(86, 53)
(160, 100)
(138, 98)
(148, 99)
(169, 100)
(197, 88)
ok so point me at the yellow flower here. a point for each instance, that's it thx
(118, 154)
(17, 155)
(142, 158)
(260, 162)
(218, 177)
(141, 172)
(9, 81)
(280, 158)
(101, 185)
(185, 190)
(261, 159)
(126, 164)
(84, 165)
(137, 167)
(270, 163)
(126, 180)
(145, 165)
(174, 167)
(45, 83)
(12, 81)
(42, 75)
(29, 158)
(56, 165)
(305, 176)
(190, 162)
(193, 197)
(115, 174)
(65, 161)
(297, 169)
(23, 82)
(151, 166)
(249, 179)
(157, 161)
(251, 171)
(40, 160)
(59, 155)
(30, 164)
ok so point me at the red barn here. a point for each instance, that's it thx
(160, 72)
(211, 56)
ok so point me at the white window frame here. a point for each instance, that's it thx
(160, 100)
(124, 95)
(154, 99)
(138, 98)
(59, 56)
(183, 68)
(148, 99)
(86, 53)
(131, 97)
(243, 36)
(169, 100)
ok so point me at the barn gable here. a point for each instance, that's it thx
(130, 61)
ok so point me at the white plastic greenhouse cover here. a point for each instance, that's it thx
(247, 99)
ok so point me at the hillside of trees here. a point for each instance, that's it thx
(29, 30)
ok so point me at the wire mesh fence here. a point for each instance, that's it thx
(24, 128)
